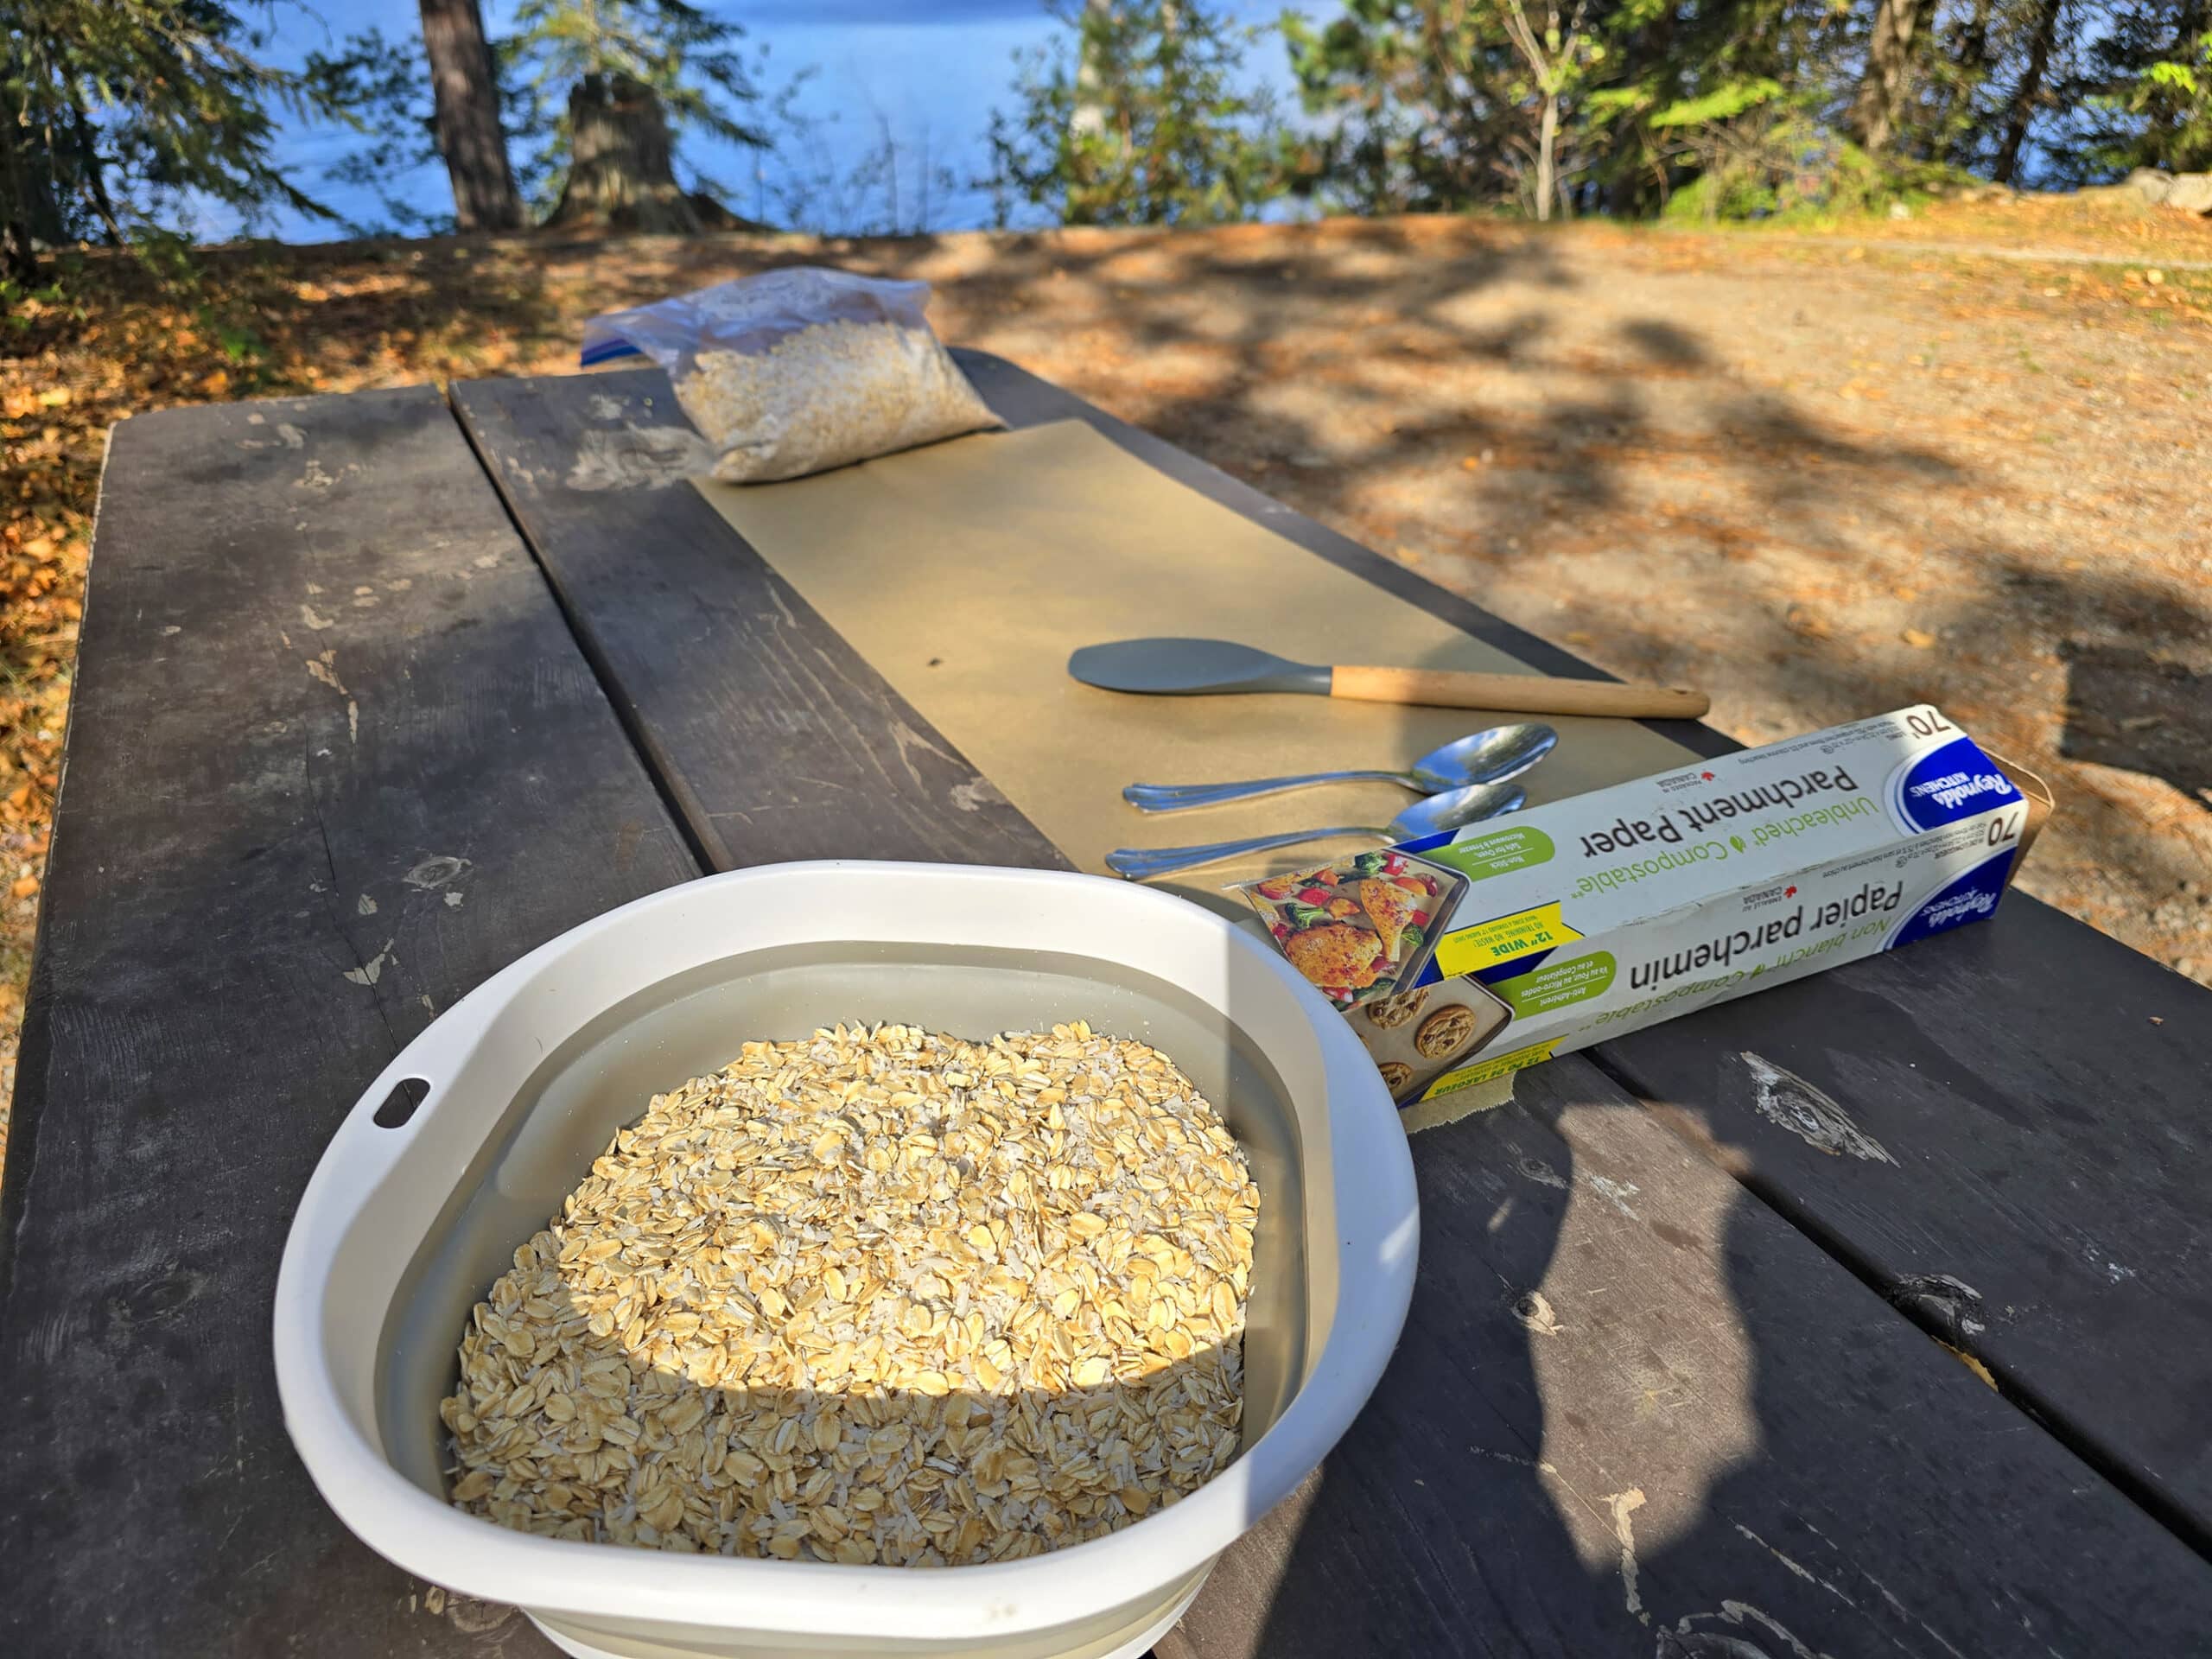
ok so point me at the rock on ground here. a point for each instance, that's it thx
(2191, 192)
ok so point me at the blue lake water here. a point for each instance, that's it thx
(926, 74)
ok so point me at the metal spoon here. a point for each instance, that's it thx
(1424, 817)
(1490, 757)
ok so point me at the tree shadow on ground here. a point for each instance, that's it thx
(2141, 712)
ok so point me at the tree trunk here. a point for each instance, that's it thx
(470, 137)
(29, 217)
(1088, 120)
(622, 175)
(2020, 112)
(1886, 84)
(1548, 157)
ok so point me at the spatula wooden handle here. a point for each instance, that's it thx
(1516, 694)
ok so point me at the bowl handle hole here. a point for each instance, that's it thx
(399, 1105)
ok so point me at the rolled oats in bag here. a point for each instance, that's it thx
(798, 370)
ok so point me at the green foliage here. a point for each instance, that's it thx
(2136, 91)
(1779, 167)
(2174, 95)
(1439, 105)
(22, 304)
(1410, 102)
(2177, 79)
(1433, 105)
(1134, 117)
(385, 84)
(1723, 103)
(116, 115)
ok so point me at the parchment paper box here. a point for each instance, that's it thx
(1613, 910)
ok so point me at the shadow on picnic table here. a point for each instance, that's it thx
(1643, 1417)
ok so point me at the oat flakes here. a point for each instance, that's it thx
(875, 1296)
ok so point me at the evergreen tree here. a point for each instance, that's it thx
(1429, 104)
(1411, 99)
(2142, 93)
(115, 114)
(1138, 120)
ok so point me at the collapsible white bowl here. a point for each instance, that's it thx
(404, 1228)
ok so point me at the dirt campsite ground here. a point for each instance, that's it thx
(1961, 457)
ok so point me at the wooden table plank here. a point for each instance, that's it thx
(2026, 1165)
(333, 760)
(2047, 1139)
(1635, 1412)
(772, 736)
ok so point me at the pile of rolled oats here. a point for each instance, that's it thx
(876, 1296)
(826, 395)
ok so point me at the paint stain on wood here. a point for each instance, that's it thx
(638, 458)
(1705, 1644)
(1785, 1098)
(1616, 1193)
(974, 795)
(325, 669)
(1623, 1505)
(372, 970)
(1716, 1644)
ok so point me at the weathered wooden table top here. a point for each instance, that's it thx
(372, 701)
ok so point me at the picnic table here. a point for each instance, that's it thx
(1870, 1314)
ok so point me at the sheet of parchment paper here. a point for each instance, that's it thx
(967, 571)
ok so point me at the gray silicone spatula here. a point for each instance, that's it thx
(1197, 667)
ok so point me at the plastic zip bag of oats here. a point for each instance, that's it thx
(796, 371)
